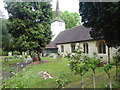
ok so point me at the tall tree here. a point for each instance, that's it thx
(70, 19)
(29, 24)
(103, 19)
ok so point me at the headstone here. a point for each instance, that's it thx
(6, 59)
(9, 53)
(54, 56)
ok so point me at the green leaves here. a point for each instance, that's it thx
(71, 19)
(99, 17)
(107, 67)
(29, 24)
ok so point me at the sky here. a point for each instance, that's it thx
(69, 5)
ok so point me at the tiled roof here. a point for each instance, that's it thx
(52, 44)
(76, 34)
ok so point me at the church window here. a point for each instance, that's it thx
(73, 48)
(62, 48)
(102, 48)
(85, 47)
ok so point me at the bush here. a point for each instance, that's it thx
(62, 80)
(16, 53)
(4, 53)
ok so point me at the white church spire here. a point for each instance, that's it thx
(58, 24)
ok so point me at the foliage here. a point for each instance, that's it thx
(30, 79)
(7, 39)
(92, 63)
(116, 58)
(103, 20)
(71, 19)
(16, 52)
(62, 80)
(4, 53)
(29, 24)
(11, 61)
(107, 68)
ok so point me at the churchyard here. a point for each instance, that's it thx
(29, 29)
(54, 73)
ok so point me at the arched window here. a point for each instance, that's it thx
(62, 48)
(85, 47)
(102, 48)
(72, 48)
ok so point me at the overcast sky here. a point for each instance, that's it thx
(69, 5)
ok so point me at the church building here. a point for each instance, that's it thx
(67, 41)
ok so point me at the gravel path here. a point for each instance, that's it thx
(17, 66)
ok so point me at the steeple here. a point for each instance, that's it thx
(57, 9)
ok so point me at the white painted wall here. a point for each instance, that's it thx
(92, 48)
(56, 28)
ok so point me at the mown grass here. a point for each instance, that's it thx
(29, 78)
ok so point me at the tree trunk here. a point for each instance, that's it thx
(108, 54)
(110, 84)
(82, 81)
(116, 72)
(39, 59)
(94, 79)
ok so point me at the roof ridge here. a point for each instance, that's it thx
(72, 28)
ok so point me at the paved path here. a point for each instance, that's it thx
(17, 66)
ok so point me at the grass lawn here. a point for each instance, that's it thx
(29, 78)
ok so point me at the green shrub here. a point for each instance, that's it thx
(62, 80)
(4, 53)
(16, 53)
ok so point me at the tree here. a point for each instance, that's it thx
(29, 24)
(76, 65)
(7, 39)
(116, 60)
(92, 64)
(70, 19)
(103, 19)
(107, 68)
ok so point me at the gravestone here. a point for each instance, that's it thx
(54, 56)
(6, 59)
(9, 53)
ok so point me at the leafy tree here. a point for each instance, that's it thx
(103, 19)
(107, 68)
(92, 64)
(77, 65)
(116, 60)
(7, 39)
(70, 19)
(29, 24)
